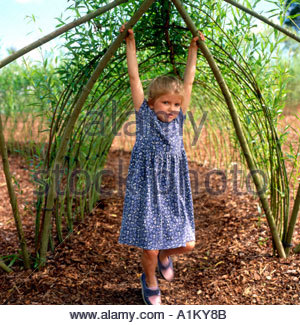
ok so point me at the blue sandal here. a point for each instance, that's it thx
(146, 292)
(161, 267)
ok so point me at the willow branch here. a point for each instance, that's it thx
(13, 199)
(238, 128)
(292, 221)
(264, 19)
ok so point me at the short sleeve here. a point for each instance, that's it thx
(182, 117)
(142, 117)
(142, 108)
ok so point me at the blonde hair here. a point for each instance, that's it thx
(162, 85)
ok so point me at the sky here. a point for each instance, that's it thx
(17, 31)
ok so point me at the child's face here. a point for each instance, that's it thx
(167, 106)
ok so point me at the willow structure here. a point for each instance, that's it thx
(97, 80)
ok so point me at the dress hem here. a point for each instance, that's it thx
(157, 248)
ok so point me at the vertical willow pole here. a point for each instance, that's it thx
(72, 120)
(292, 223)
(227, 96)
(13, 199)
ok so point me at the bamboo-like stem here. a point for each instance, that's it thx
(13, 199)
(292, 222)
(226, 93)
(73, 118)
(58, 224)
(58, 32)
(69, 200)
(81, 208)
(264, 19)
(4, 267)
(37, 221)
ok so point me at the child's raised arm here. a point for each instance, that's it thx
(137, 91)
(190, 72)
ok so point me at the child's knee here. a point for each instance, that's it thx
(190, 246)
(150, 253)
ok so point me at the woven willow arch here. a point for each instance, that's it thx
(281, 244)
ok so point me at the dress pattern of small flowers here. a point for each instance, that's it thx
(158, 207)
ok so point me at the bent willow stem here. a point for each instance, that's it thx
(223, 86)
(293, 222)
(13, 199)
(264, 19)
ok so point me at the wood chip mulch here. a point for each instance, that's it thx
(232, 262)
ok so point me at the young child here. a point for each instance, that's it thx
(158, 211)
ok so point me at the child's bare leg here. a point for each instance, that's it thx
(149, 262)
(165, 253)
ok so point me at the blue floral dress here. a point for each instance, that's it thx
(158, 206)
